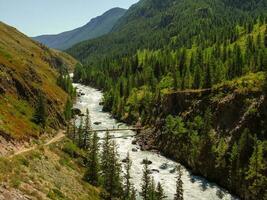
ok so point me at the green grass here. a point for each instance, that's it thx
(50, 172)
(16, 115)
(56, 194)
(5, 53)
(250, 82)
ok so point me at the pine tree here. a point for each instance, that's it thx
(160, 192)
(74, 131)
(207, 121)
(113, 182)
(68, 132)
(238, 61)
(208, 77)
(67, 110)
(105, 159)
(265, 38)
(115, 172)
(146, 181)
(197, 78)
(92, 172)
(179, 185)
(127, 177)
(40, 116)
(187, 79)
(133, 194)
(80, 133)
(152, 190)
(257, 169)
(87, 128)
(233, 166)
(111, 168)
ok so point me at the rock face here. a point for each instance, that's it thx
(233, 111)
(27, 69)
(76, 111)
(148, 162)
(12, 194)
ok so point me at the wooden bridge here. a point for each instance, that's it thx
(116, 129)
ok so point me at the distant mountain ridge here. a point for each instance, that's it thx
(98, 26)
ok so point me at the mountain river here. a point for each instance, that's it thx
(195, 187)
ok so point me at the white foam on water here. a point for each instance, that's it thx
(195, 188)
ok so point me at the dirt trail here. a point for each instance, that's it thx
(60, 135)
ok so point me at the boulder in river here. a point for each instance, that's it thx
(155, 170)
(134, 150)
(97, 123)
(145, 161)
(134, 142)
(124, 160)
(76, 111)
(164, 166)
(173, 170)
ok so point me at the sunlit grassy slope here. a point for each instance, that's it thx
(26, 69)
(48, 172)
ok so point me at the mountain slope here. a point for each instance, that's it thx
(192, 70)
(27, 70)
(96, 27)
(47, 172)
(154, 24)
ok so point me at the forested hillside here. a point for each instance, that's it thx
(152, 24)
(195, 70)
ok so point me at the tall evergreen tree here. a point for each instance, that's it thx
(73, 135)
(146, 180)
(111, 168)
(265, 38)
(179, 185)
(256, 172)
(208, 77)
(127, 178)
(133, 194)
(152, 190)
(105, 159)
(92, 172)
(40, 115)
(113, 178)
(67, 110)
(80, 133)
(160, 192)
(197, 78)
(87, 128)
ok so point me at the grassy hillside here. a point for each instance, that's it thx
(46, 173)
(97, 27)
(27, 69)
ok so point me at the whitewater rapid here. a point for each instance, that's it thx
(195, 188)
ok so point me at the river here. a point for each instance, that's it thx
(195, 188)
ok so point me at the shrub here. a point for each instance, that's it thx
(71, 149)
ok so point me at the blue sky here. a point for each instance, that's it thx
(37, 17)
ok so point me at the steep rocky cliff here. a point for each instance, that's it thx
(224, 143)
